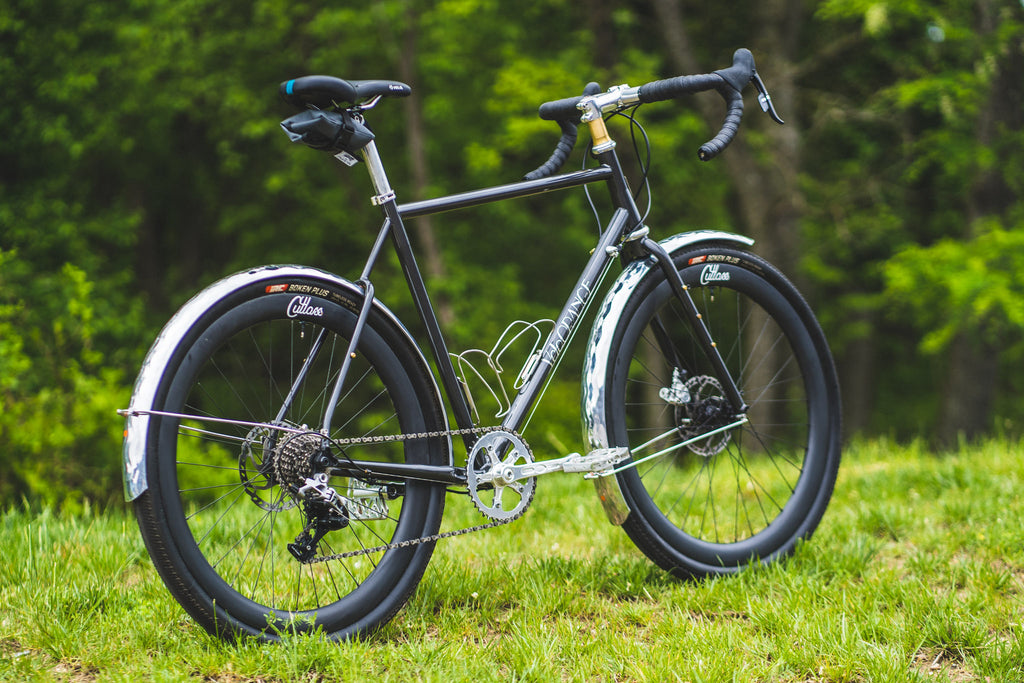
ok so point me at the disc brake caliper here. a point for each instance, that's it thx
(677, 394)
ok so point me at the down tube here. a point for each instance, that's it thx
(567, 323)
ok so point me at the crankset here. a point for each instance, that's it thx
(492, 475)
(500, 476)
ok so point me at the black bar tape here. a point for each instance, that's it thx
(561, 110)
(709, 150)
(568, 124)
(565, 110)
(670, 88)
(728, 82)
(559, 156)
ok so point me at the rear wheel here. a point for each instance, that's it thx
(222, 506)
(713, 490)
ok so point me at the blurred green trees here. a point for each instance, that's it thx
(141, 159)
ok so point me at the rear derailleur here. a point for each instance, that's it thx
(327, 510)
(325, 513)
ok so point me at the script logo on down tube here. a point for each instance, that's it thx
(564, 327)
(300, 306)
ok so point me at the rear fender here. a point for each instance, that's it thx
(178, 328)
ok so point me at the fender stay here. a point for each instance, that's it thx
(593, 395)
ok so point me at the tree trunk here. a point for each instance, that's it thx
(767, 193)
(967, 402)
(966, 410)
(857, 368)
(423, 227)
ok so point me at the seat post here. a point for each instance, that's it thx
(377, 175)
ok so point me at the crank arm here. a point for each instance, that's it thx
(596, 461)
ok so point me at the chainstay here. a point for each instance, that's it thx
(479, 431)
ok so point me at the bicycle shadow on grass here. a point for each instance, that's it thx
(555, 582)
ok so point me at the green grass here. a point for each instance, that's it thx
(916, 574)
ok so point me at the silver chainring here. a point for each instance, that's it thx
(490, 475)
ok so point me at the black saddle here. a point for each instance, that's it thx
(327, 92)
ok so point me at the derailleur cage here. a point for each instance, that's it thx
(325, 512)
(322, 520)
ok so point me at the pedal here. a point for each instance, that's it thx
(365, 502)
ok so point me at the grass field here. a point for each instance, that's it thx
(916, 574)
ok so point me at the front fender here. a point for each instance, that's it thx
(163, 348)
(598, 355)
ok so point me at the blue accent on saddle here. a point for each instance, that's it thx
(289, 86)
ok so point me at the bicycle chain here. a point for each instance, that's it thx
(418, 435)
(479, 431)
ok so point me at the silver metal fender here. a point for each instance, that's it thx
(598, 356)
(144, 394)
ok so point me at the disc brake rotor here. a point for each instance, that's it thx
(705, 411)
(256, 469)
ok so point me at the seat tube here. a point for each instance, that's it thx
(385, 198)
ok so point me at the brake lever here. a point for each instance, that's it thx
(765, 99)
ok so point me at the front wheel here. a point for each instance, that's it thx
(714, 491)
(230, 534)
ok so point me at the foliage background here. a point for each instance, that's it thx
(141, 159)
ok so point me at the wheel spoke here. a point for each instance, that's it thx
(233, 436)
(709, 488)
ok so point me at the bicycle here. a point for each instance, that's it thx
(289, 453)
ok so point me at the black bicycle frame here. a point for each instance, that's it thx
(625, 226)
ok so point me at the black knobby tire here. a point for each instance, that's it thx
(750, 493)
(215, 519)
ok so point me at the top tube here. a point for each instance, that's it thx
(522, 188)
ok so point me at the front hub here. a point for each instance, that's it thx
(706, 410)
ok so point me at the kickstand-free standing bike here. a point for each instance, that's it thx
(288, 451)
